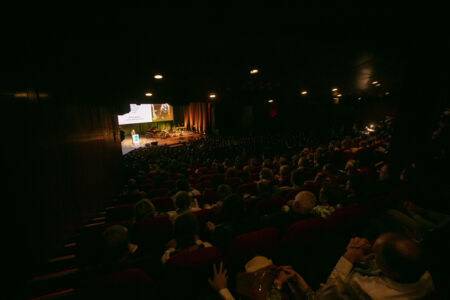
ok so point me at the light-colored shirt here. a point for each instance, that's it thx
(381, 287)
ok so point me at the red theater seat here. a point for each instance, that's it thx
(187, 273)
(269, 205)
(262, 242)
(163, 204)
(233, 181)
(249, 188)
(131, 283)
(303, 233)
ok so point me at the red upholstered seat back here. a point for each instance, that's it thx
(209, 196)
(303, 233)
(245, 246)
(249, 188)
(163, 204)
(269, 205)
(187, 273)
(158, 192)
(233, 181)
(196, 258)
(131, 283)
(344, 219)
(153, 234)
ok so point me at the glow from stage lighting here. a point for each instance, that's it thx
(339, 95)
(254, 71)
(20, 95)
(148, 94)
(212, 96)
(158, 76)
(270, 101)
(371, 126)
(334, 90)
(304, 92)
(374, 82)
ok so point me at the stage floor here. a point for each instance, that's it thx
(128, 146)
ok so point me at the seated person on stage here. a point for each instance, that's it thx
(396, 272)
(300, 209)
(186, 237)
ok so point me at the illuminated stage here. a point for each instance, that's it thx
(174, 141)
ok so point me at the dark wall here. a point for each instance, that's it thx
(64, 162)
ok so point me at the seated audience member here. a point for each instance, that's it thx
(117, 246)
(143, 210)
(186, 237)
(329, 197)
(232, 221)
(284, 178)
(398, 273)
(266, 174)
(272, 282)
(183, 185)
(183, 204)
(132, 193)
(230, 173)
(301, 209)
(418, 220)
(223, 191)
(246, 174)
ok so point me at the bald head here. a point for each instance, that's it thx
(304, 202)
(399, 257)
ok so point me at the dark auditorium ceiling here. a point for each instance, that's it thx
(211, 52)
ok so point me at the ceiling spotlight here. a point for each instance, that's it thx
(148, 94)
(254, 71)
(387, 93)
(304, 92)
(359, 98)
(270, 101)
(158, 76)
(339, 95)
(378, 84)
(334, 90)
(374, 82)
(212, 96)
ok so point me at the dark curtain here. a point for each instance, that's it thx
(197, 116)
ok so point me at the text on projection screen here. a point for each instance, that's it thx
(138, 114)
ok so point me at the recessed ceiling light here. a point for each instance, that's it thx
(378, 84)
(387, 93)
(158, 76)
(339, 95)
(148, 94)
(374, 82)
(334, 89)
(212, 96)
(270, 101)
(304, 92)
(254, 71)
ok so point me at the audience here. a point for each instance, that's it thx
(311, 180)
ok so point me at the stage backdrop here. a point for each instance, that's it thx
(197, 116)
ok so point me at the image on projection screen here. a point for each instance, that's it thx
(138, 114)
(162, 112)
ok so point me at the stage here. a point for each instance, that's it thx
(172, 141)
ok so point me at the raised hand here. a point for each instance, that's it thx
(220, 278)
